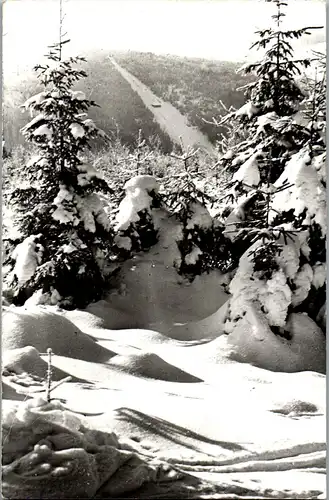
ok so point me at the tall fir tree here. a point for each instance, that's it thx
(277, 200)
(62, 243)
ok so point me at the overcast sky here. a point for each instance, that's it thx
(214, 29)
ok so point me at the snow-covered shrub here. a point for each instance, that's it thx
(62, 237)
(136, 226)
(277, 196)
(202, 244)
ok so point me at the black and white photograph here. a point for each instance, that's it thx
(164, 221)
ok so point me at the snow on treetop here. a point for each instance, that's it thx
(77, 130)
(68, 248)
(144, 182)
(37, 159)
(63, 194)
(78, 95)
(137, 198)
(43, 130)
(264, 120)
(306, 191)
(199, 216)
(193, 256)
(89, 123)
(248, 172)
(35, 99)
(248, 109)
(88, 172)
(135, 201)
(38, 118)
(319, 275)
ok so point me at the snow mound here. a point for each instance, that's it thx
(196, 427)
(85, 319)
(42, 328)
(136, 337)
(18, 364)
(216, 352)
(154, 294)
(255, 343)
(109, 316)
(152, 366)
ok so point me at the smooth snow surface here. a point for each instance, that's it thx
(192, 417)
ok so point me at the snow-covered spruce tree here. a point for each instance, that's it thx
(136, 221)
(202, 245)
(315, 104)
(277, 219)
(64, 237)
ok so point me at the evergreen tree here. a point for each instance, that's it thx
(64, 234)
(315, 105)
(202, 246)
(276, 196)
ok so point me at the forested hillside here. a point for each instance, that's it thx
(195, 87)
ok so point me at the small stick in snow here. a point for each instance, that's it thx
(48, 388)
(60, 382)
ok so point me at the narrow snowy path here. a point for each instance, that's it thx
(168, 117)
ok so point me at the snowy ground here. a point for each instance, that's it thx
(228, 429)
(200, 400)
